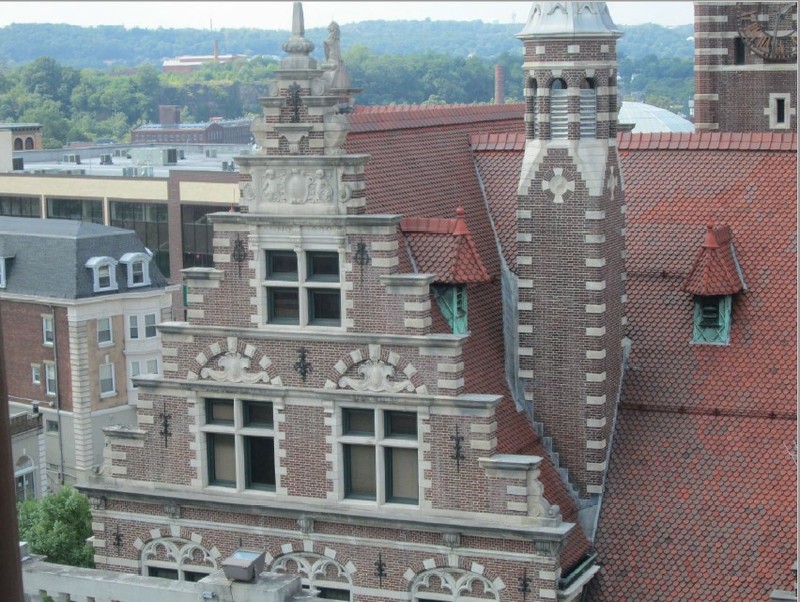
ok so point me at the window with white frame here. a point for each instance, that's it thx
(25, 477)
(36, 374)
(303, 288)
(779, 111)
(107, 383)
(143, 326)
(104, 335)
(2, 272)
(177, 559)
(104, 273)
(380, 455)
(240, 444)
(143, 366)
(47, 330)
(50, 378)
(138, 268)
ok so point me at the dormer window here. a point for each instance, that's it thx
(452, 301)
(712, 319)
(104, 272)
(138, 268)
(714, 278)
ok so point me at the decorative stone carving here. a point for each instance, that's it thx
(97, 502)
(248, 192)
(457, 583)
(234, 369)
(377, 376)
(305, 524)
(272, 88)
(172, 510)
(319, 189)
(558, 185)
(270, 186)
(452, 540)
(547, 547)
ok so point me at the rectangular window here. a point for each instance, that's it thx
(197, 235)
(50, 379)
(149, 221)
(315, 299)
(738, 51)
(133, 326)
(150, 322)
(151, 366)
(240, 431)
(51, 426)
(2, 272)
(221, 459)
(712, 319)
(104, 332)
(19, 206)
(104, 276)
(36, 374)
(107, 387)
(375, 441)
(780, 110)
(779, 116)
(75, 209)
(137, 272)
(47, 330)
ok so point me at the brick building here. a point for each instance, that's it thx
(80, 304)
(441, 356)
(746, 51)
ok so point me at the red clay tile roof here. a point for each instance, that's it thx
(437, 176)
(444, 247)
(697, 507)
(366, 119)
(701, 483)
(714, 271)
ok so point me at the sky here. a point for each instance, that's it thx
(317, 13)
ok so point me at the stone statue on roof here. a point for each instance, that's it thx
(336, 75)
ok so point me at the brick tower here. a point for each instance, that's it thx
(745, 66)
(571, 234)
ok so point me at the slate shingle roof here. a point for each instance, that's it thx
(49, 257)
(421, 165)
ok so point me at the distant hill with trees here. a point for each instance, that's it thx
(107, 79)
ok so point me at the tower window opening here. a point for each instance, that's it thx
(738, 51)
(588, 107)
(559, 110)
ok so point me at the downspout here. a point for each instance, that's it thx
(58, 402)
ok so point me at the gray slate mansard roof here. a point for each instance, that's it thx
(47, 258)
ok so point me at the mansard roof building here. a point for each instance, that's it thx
(478, 352)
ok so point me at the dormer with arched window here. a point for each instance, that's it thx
(138, 268)
(104, 273)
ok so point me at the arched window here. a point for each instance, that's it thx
(588, 109)
(177, 559)
(452, 585)
(104, 273)
(17, 143)
(28, 143)
(138, 268)
(318, 572)
(558, 110)
(25, 477)
(531, 106)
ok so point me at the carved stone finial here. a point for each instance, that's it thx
(172, 510)
(305, 524)
(298, 45)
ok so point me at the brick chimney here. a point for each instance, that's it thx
(169, 114)
(499, 85)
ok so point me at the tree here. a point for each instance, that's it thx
(57, 526)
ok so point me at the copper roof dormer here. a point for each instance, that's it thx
(444, 247)
(715, 270)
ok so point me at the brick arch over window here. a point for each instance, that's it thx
(28, 143)
(317, 571)
(185, 559)
(235, 362)
(18, 143)
(375, 369)
(453, 583)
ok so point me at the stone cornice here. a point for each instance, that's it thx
(468, 523)
(445, 341)
(301, 160)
